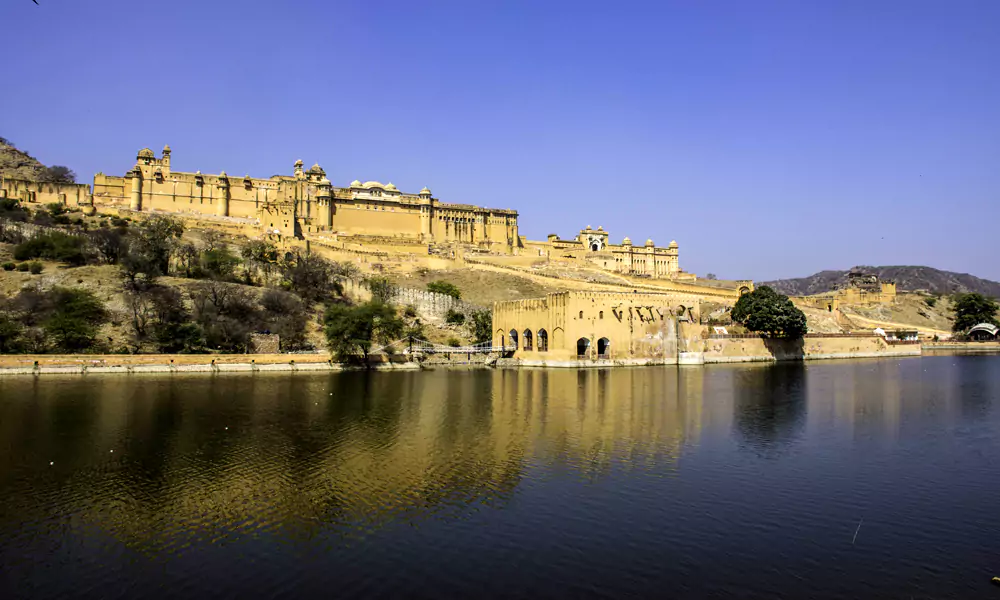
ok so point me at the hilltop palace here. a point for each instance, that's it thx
(307, 206)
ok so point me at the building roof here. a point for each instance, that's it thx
(986, 327)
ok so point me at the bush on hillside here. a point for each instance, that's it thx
(9, 266)
(454, 317)
(443, 287)
(58, 246)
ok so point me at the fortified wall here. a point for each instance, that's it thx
(427, 303)
(304, 204)
(860, 288)
(75, 195)
(594, 246)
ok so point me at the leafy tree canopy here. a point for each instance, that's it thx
(58, 174)
(973, 309)
(766, 311)
(353, 330)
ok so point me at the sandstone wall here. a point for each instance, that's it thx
(752, 349)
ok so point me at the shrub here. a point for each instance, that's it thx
(453, 317)
(35, 267)
(443, 287)
(22, 267)
(9, 266)
(53, 246)
(410, 311)
(454, 342)
(930, 301)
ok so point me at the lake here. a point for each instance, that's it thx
(843, 479)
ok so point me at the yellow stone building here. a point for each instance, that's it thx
(604, 325)
(861, 288)
(75, 195)
(305, 203)
(593, 245)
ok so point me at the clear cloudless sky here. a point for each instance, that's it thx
(769, 138)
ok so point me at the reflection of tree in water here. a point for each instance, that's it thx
(770, 406)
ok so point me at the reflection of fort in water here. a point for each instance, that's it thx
(382, 446)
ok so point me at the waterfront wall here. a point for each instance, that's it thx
(82, 364)
(738, 349)
(754, 349)
(976, 347)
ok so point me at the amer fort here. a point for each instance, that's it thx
(622, 303)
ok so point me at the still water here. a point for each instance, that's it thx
(867, 479)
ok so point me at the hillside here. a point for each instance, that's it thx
(907, 278)
(17, 163)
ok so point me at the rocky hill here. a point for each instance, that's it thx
(907, 278)
(17, 163)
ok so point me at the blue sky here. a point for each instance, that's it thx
(770, 139)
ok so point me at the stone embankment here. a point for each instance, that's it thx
(47, 364)
(964, 347)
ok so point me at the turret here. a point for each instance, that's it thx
(324, 198)
(222, 209)
(136, 176)
(298, 169)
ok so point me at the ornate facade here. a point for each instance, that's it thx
(305, 203)
(646, 260)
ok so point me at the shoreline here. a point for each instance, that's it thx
(21, 365)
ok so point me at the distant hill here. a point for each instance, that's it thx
(908, 279)
(18, 164)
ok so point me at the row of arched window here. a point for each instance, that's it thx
(528, 339)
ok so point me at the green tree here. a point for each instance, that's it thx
(11, 330)
(766, 311)
(454, 317)
(260, 256)
(481, 326)
(151, 246)
(443, 287)
(285, 315)
(353, 330)
(74, 317)
(312, 277)
(219, 263)
(383, 290)
(972, 309)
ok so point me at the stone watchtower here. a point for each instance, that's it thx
(316, 177)
(426, 207)
(222, 208)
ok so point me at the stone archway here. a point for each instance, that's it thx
(513, 338)
(543, 340)
(603, 346)
(582, 347)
